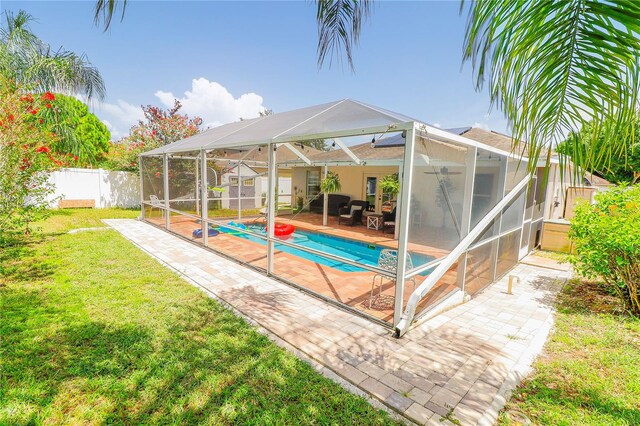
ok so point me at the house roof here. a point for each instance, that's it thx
(363, 151)
(488, 137)
(596, 180)
(344, 116)
(262, 155)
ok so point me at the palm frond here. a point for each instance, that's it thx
(553, 66)
(28, 61)
(106, 9)
(339, 26)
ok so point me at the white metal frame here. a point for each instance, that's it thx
(401, 319)
(409, 313)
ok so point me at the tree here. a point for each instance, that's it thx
(622, 167)
(25, 157)
(606, 236)
(160, 127)
(81, 132)
(551, 66)
(31, 64)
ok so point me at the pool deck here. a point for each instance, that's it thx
(462, 364)
(351, 288)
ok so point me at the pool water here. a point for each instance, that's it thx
(349, 249)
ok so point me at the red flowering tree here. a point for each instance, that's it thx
(25, 158)
(160, 127)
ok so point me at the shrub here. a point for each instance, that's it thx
(607, 242)
(25, 157)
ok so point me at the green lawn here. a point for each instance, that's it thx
(590, 371)
(93, 331)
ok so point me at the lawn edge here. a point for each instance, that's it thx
(522, 369)
(316, 365)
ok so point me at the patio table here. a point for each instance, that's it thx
(374, 221)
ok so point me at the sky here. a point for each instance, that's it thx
(227, 60)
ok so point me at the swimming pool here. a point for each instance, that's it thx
(357, 251)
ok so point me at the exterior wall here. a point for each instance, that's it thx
(299, 181)
(556, 193)
(253, 192)
(353, 178)
(283, 185)
(107, 188)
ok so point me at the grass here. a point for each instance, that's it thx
(63, 220)
(590, 371)
(94, 331)
(553, 255)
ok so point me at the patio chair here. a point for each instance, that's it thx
(352, 214)
(388, 259)
(155, 202)
(389, 220)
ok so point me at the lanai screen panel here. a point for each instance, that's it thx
(438, 196)
(152, 183)
(184, 182)
(438, 212)
(488, 188)
(151, 174)
(237, 204)
(340, 261)
(441, 175)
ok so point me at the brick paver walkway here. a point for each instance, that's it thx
(461, 364)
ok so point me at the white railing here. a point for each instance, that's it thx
(433, 278)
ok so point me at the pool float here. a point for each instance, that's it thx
(282, 230)
(197, 233)
(232, 231)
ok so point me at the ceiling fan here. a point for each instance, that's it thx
(443, 171)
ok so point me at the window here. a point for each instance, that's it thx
(313, 183)
(233, 180)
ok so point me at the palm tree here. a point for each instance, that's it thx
(27, 61)
(551, 66)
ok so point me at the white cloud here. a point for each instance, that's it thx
(483, 126)
(115, 134)
(438, 125)
(207, 99)
(213, 103)
(122, 115)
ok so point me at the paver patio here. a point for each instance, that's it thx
(462, 364)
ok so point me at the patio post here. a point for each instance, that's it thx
(402, 222)
(165, 182)
(325, 202)
(197, 187)
(142, 212)
(467, 207)
(502, 187)
(396, 230)
(204, 193)
(271, 208)
(239, 191)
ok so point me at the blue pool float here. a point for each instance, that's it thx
(228, 230)
(197, 233)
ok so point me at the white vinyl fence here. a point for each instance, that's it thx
(107, 188)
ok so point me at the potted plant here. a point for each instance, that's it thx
(331, 183)
(390, 185)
